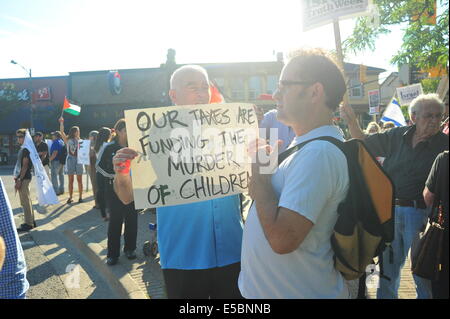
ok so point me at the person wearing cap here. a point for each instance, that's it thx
(42, 149)
(22, 178)
(56, 166)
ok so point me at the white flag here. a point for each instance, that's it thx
(46, 194)
(393, 113)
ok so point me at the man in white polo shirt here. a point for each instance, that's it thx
(286, 250)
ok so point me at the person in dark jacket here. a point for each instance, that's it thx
(102, 140)
(436, 193)
(119, 212)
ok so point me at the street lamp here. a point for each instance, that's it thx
(30, 93)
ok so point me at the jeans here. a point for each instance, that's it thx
(57, 171)
(408, 223)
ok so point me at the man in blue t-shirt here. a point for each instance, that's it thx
(199, 243)
(56, 163)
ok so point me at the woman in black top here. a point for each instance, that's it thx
(120, 213)
(102, 140)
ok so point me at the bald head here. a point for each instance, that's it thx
(189, 85)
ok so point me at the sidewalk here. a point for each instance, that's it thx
(82, 227)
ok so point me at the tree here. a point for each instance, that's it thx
(425, 44)
(9, 99)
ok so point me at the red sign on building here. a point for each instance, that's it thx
(43, 94)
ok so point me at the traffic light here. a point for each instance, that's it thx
(362, 73)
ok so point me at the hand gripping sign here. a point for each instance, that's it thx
(190, 153)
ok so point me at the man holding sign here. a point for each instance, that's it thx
(199, 243)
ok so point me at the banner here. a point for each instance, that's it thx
(46, 194)
(374, 102)
(317, 13)
(408, 93)
(190, 153)
(83, 152)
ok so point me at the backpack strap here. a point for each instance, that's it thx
(298, 147)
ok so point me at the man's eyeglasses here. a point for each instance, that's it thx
(20, 136)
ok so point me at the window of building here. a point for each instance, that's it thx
(237, 89)
(220, 82)
(356, 89)
(254, 87)
(272, 83)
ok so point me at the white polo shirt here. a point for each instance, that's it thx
(311, 182)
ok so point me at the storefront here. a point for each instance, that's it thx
(45, 108)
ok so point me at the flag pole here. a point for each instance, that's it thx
(62, 111)
(340, 55)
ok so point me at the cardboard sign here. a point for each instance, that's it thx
(190, 153)
(408, 93)
(83, 152)
(316, 13)
(374, 102)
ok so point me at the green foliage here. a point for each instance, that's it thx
(9, 99)
(405, 111)
(430, 85)
(423, 45)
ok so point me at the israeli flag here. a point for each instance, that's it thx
(393, 113)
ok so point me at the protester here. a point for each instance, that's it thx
(199, 243)
(57, 160)
(120, 213)
(409, 153)
(42, 149)
(372, 128)
(437, 185)
(102, 140)
(13, 279)
(72, 165)
(91, 168)
(276, 130)
(22, 178)
(388, 125)
(286, 250)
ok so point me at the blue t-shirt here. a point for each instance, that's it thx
(279, 131)
(57, 146)
(200, 235)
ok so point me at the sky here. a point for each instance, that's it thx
(54, 37)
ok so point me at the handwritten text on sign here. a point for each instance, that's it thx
(190, 153)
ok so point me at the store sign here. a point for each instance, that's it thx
(43, 94)
(319, 12)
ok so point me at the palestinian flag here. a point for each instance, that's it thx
(71, 108)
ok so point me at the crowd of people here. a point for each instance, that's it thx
(283, 248)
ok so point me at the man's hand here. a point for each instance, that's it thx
(18, 184)
(347, 114)
(122, 160)
(61, 120)
(262, 175)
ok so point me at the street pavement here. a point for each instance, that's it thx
(70, 243)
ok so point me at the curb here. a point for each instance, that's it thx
(116, 277)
